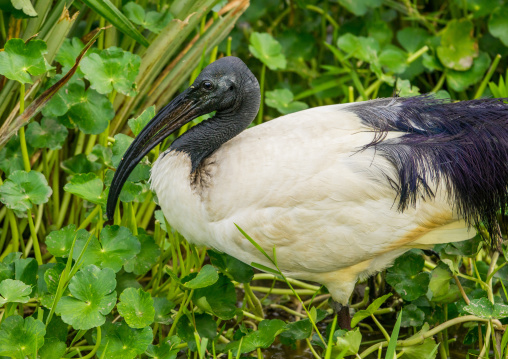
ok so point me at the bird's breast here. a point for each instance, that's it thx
(179, 194)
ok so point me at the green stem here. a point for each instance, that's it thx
(56, 189)
(96, 347)
(262, 89)
(90, 217)
(487, 77)
(22, 140)
(283, 291)
(14, 231)
(63, 209)
(381, 328)
(2, 27)
(268, 276)
(326, 15)
(417, 54)
(420, 338)
(440, 83)
(37, 248)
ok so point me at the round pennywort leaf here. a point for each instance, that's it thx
(23, 189)
(136, 306)
(93, 297)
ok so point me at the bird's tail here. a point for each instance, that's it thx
(461, 145)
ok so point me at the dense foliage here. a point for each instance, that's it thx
(81, 79)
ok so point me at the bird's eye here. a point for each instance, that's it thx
(207, 85)
(231, 88)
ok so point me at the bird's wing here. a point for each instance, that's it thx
(303, 184)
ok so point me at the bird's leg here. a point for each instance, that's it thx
(343, 315)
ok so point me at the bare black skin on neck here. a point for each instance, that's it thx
(235, 96)
(226, 86)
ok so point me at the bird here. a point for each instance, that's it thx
(340, 191)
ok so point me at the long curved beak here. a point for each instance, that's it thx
(176, 114)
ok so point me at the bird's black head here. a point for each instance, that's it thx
(226, 86)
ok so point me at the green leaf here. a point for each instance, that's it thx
(69, 95)
(21, 338)
(268, 50)
(165, 350)
(122, 142)
(203, 324)
(412, 38)
(117, 245)
(440, 289)
(119, 341)
(52, 349)
(219, 298)
(92, 114)
(138, 123)
(59, 242)
(349, 341)
(14, 291)
(362, 314)
(483, 308)
(458, 47)
(381, 31)
(159, 216)
(136, 306)
(392, 344)
(68, 52)
(427, 349)
(394, 60)
(101, 154)
(126, 280)
(26, 271)
(19, 60)
(205, 278)
(87, 186)
(10, 156)
(262, 338)
(152, 20)
(406, 277)
(498, 26)
(299, 330)
(405, 89)
(134, 192)
(412, 316)
(20, 9)
(114, 16)
(478, 8)
(282, 100)
(163, 309)
(93, 297)
(148, 255)
(297, 45)
(230, 266)
(461, 80)
(80, 164)
(48, 134)
(467, 248)
(52, 278)
(360, 7)
(112, 68)
(362, 48)
(7, 266)
(23, 189)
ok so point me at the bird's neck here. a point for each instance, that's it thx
(202, 140)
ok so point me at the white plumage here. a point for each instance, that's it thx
(299, 183)
(340, 191)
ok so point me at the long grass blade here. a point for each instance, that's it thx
(392, 344)
(111, 13)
